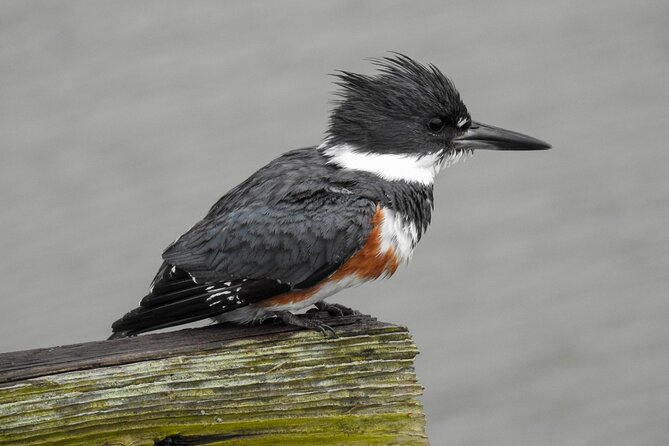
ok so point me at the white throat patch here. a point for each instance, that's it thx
(390, 166)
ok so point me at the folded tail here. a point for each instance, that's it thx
(176, 298)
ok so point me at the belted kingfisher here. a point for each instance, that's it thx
(320, 219)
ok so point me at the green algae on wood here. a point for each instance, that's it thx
(224, 386)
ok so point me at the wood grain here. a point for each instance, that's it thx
(227, 385)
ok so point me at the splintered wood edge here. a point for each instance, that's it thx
(26, 364)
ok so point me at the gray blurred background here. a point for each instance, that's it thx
(539, 295)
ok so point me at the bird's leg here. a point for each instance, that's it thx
(289, 318)
(336, 310)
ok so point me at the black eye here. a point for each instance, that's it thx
(436, 124)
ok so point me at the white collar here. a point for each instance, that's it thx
(390, 166)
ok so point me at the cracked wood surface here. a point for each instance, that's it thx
(265, 384)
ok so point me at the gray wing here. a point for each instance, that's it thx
(306, 234)
(233, 259)
(288, 226)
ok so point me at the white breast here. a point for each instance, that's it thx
(398, 234)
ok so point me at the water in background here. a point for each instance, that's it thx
(539, 295)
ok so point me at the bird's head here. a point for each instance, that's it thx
(412, 113)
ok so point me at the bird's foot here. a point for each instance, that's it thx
(289, 318)
(336, 310)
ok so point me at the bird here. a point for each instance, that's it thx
(320, 219)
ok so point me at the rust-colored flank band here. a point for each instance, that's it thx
(368, 263)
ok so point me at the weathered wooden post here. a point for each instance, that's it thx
(219, 385)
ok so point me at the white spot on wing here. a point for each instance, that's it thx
(222, 293)
(192, 278)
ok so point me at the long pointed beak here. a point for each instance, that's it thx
(483, 136)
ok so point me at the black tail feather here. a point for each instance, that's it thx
(176, 299)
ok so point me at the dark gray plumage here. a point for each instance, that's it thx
(294, 217)
(294, 223)
(387, 113)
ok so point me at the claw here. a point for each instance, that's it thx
(336, 310)
(289, 318)
(327, 331)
